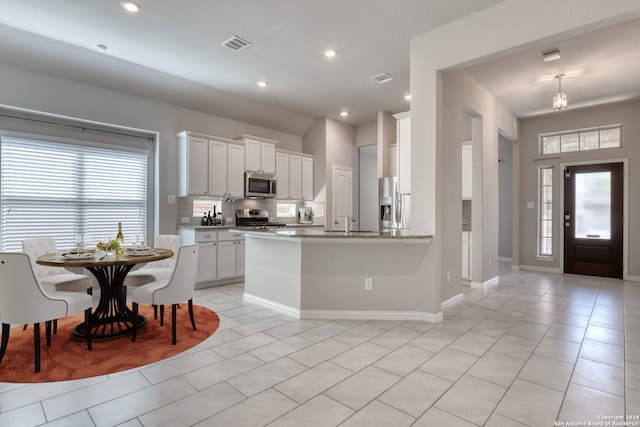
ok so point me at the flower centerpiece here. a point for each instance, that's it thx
(109, 246)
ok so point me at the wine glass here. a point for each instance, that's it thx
(80, 241)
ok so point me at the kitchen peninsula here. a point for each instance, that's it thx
(310, 273)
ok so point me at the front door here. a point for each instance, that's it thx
(593, 221)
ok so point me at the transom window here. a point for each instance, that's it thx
(581, 140)
(62, 189)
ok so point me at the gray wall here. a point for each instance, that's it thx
(368, 188)
(530, 160)
(505, 213)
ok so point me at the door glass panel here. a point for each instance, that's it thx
(593, 205)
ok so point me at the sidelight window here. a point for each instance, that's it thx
(545, 213)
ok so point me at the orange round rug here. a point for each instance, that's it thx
(68, 359)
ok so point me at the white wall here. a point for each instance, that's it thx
(369, 202)
(40, 92)
(367, 134)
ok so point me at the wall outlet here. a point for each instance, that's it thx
(171, 199)
(448, 276)
(184, 220)
(368, 283)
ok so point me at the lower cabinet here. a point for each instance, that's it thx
(221, 254)
(466, 255)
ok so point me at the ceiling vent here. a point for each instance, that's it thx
(236, 43)
(383, 78)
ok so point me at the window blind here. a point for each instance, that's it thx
(60, 190)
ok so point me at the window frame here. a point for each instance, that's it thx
(540, 214)
(577, 133)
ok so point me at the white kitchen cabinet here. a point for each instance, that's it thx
(307, 178)
(230, 255)
(403, 130)
(466, 255)
(194, 166)
(393, 160)
(467, 168)
(282, 175)
(210, 165)
(260, 155)
(207, 268)
(295, 177)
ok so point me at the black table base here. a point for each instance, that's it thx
(112, 318)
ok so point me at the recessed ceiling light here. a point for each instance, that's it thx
(551, 55)
(262, 83)
(131, 6)
(101, 47)
(408, 97)
(344, 113)
(330, 53)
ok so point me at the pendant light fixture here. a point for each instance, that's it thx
(560, 98)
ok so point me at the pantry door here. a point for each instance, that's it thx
(593, 219)
(342, 195)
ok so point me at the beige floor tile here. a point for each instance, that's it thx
(472, 399)
(491, 327)
(584, 404)
(324, 331)
(266, 376)
(258, 410)
(319, 352)
(395, 337)
(362, 387)
(221, 371)
(403, 360)
(565, 332)
(515, 346)
(632, 373)
(175, 367)
(496, 368)
(449, 364)
(529, 330)
(599, 376)
(434, 340)
(280, 348)
(376, 413)
(472, 343)
(359, 334)
(553, 348)
(30, 415)
(633, 405)
(415, 393)
(497, 420)
(603, 352)
(547, 372)
(632, 350)
(361, 356)
(530, 404)
(79, 419)
(313, 381)
(317, 412)
(435, 417)
(539, 317)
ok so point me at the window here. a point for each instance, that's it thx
(64, 188)
(545, 214)
(581, 140)
(286, 210)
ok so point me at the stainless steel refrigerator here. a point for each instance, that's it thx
(394, 208)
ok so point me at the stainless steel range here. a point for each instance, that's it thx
(257, 218)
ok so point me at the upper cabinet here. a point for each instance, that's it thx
(403, 127)
(467, 180)
(294, 175)
(260, 154)
(210, 166)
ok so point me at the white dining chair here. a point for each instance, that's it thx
(178, 288)
(23, 300)
(156, 270)
(54, 278)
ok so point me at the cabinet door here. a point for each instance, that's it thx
(404, 154)
(217, 168)
(295, 177)
(235, 164)
(252, 155)
(240, 257)
(207, 262)
(267, 157)
(282, 175)
(227, 257)
(307, 178)
(197, 166)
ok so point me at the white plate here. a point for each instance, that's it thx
(141, 253)
(77, 256)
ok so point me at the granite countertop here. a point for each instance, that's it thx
(319, 233)
(227, 227)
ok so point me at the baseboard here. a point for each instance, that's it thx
(452, 301)
(515, 267)
(476, 285)
(541, 269)
(633, 278)
(493, 281)
(344, 314)
(505, 259)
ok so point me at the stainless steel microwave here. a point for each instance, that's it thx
(259, 185)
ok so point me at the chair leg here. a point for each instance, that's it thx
(155, 311)
(24, 328)
(47, 328)
(87, 327)
(36, 345)
(134, 330)
(193, 322)
(161, 314)
(5, 339)
(173, 323)
(55, 326)
(90, 291)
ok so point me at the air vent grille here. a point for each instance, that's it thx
(236, 43)
(383, 78)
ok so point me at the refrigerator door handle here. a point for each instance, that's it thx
(398, 208)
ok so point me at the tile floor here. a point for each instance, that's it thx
(531, 350)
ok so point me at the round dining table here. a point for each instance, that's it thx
(112, 318)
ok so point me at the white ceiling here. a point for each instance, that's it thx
(175, 55)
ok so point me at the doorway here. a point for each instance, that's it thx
(342, 180)
(593, 219)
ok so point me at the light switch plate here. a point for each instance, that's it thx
(530, 205)
(171, 199)
(185, 220)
